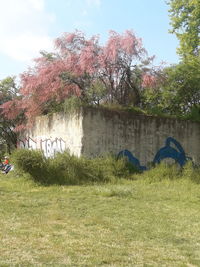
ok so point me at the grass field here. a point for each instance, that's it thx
(130, 223)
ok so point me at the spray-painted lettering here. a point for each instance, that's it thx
(27, 143)
(50, 148)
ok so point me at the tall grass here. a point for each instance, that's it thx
(69, 169)
(172, 172)
(66, 169)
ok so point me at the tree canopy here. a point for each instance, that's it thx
(8, 92)
(178, 91)
(185, 22)
(86, 69)
(119, 72)
(183, 79)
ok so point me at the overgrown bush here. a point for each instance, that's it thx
(69, 169)
(32, 162)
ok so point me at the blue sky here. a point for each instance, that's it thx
(28, 26)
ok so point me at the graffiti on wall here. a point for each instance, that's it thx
(177, 153)
(133, 160)
(27, 143)
(172, 149)
(48, 146)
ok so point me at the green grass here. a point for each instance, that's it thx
(130, 223)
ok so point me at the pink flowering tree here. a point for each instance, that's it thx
(82, 67)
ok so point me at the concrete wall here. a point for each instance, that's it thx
(111, 131)
(93, 132)
(55, 133)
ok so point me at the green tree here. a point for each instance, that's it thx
(8, 92)
(185, 22)
(178, 92)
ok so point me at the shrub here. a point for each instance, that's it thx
(32, 162)
(69, 169)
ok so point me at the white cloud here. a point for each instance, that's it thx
(24, 26)
(26, 46)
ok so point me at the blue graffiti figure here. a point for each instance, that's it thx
(169, 152)
(133, 160)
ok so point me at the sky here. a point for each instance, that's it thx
(30, 26)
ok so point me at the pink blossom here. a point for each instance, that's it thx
(148, 81)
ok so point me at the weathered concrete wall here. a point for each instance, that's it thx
(94, 132)
(55, 133)
(111, 131)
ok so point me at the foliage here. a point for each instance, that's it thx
(170, 172)
(71, 104)
(162, 172)
(191, 172)
(69, 169)
(8, 92)
(96, 93)
(178, 92)
(32, 162)
(114, 73)
(182, 86)
(194, 115)
(185, 21)
(8, 89)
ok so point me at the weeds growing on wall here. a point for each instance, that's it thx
(72, 104)
(69, 169)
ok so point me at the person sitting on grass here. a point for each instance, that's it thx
(6, 167)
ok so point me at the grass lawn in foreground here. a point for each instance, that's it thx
(131, 223)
